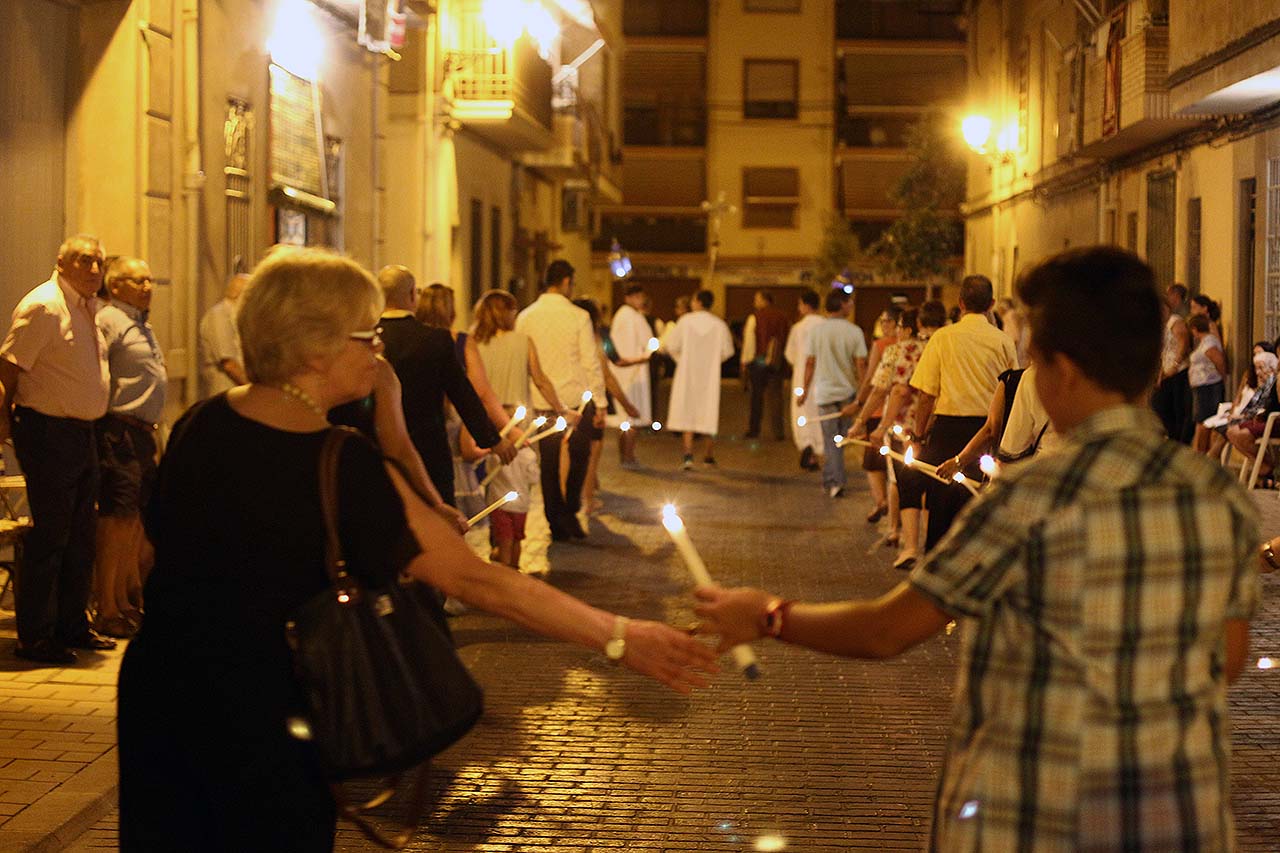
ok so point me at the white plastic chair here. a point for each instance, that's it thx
(1270, 437)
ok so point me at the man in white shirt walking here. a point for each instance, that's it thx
(630, 333)
(808, 438)
(567, 349)
(221, 362)
(700, 343)
(837, 360)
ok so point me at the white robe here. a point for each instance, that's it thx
(700, 343)
(797, 353)
(630, 334)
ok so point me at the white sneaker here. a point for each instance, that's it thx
(835, 492)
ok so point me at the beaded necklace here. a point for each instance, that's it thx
(304, 398)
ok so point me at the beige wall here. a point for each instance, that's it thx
(1197, 28)
(735, 143)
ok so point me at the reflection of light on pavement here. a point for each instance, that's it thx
(968, 810)
(771, 843)
(1266, 663)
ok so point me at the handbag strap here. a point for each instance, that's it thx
(335, 563)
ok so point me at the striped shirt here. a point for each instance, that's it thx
(1093, 585)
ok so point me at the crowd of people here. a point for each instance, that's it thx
(1093, 504)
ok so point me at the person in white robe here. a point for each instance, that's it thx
(630, 333)
(700, 344)
(808, 438)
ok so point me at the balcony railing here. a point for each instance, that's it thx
(491, 82)
(914, 19)
(665, 234)
(672, 123)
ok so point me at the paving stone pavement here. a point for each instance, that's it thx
(820, 754)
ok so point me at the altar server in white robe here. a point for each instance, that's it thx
(808, 438)
(631, 333)
(699, 344)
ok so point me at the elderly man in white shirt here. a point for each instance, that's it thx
(567, 349)
(221, 362)
(53, 369)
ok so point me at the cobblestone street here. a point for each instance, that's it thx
(820, 754)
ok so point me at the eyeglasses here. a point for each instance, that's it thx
(136, 279)
(87, 261)
(373, 337)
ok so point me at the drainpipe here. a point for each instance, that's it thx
(193, 181)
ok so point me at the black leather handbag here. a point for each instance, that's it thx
(384, 686)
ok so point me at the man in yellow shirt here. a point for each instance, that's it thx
(957, 375)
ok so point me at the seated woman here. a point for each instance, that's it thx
(1251, 396)
(206, 762)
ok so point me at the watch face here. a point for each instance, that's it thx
(615, 649)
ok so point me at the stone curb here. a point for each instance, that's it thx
(65, 813)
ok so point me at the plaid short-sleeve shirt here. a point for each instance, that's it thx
(1093, 585)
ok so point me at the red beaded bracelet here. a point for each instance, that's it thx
(774, 618)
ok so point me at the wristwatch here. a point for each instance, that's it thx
(616, 648)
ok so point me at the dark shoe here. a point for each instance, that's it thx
(751, 435)
(877, 514)
(687, 464)
(574, 529)
(835, 492)
(92, 641)
(806, 459)
(710, 460)
(45, 651)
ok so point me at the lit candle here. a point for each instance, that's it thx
(518, 418)
(989, 465)
(653, 344)
(537, 422)
(960, 478)
(558, 426)
(897, 429)
(496, 505)
(625, 426)
(586, 398)
(742, 655)
(801, 421)
(799, 392)
(656, 425)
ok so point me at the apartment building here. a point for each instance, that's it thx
(1147, 124)
(747, 123)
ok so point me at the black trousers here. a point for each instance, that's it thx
(948, 437)
(59, 458)
(766, 381)
(559, 506)
(1172, 402)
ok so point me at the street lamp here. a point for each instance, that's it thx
(977, 132)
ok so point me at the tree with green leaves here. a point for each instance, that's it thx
(840, 249)
(929, 231)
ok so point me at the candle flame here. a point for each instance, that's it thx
(801, 421)
(670, 519)
(988, 465)
(897, 429)
(959, 477)
(909, 457)
(656, 426)
(625, 426)
(539, 421)
(799, 392)
(561, 423)
(884, 450)
(510, 496)
(838, 438)
(521, 411)
(1266, 663)
(586, 396)
(653, 344)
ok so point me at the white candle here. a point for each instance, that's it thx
(742, 655)
(496, 505)
(537, 422)
(586, 398)
(517, 418)
(558, 426)
(989, 465)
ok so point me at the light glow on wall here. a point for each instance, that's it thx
(297, 39)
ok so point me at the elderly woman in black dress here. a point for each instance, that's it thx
(206, 762)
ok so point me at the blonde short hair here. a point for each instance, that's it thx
(301, 304)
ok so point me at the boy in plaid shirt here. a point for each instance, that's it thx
(1103, 591)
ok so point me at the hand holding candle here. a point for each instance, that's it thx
(533, 427)
(493, 507)
(742, 655)
(586, 398)
(515, 420)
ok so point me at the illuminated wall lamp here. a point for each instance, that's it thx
(977, 133)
